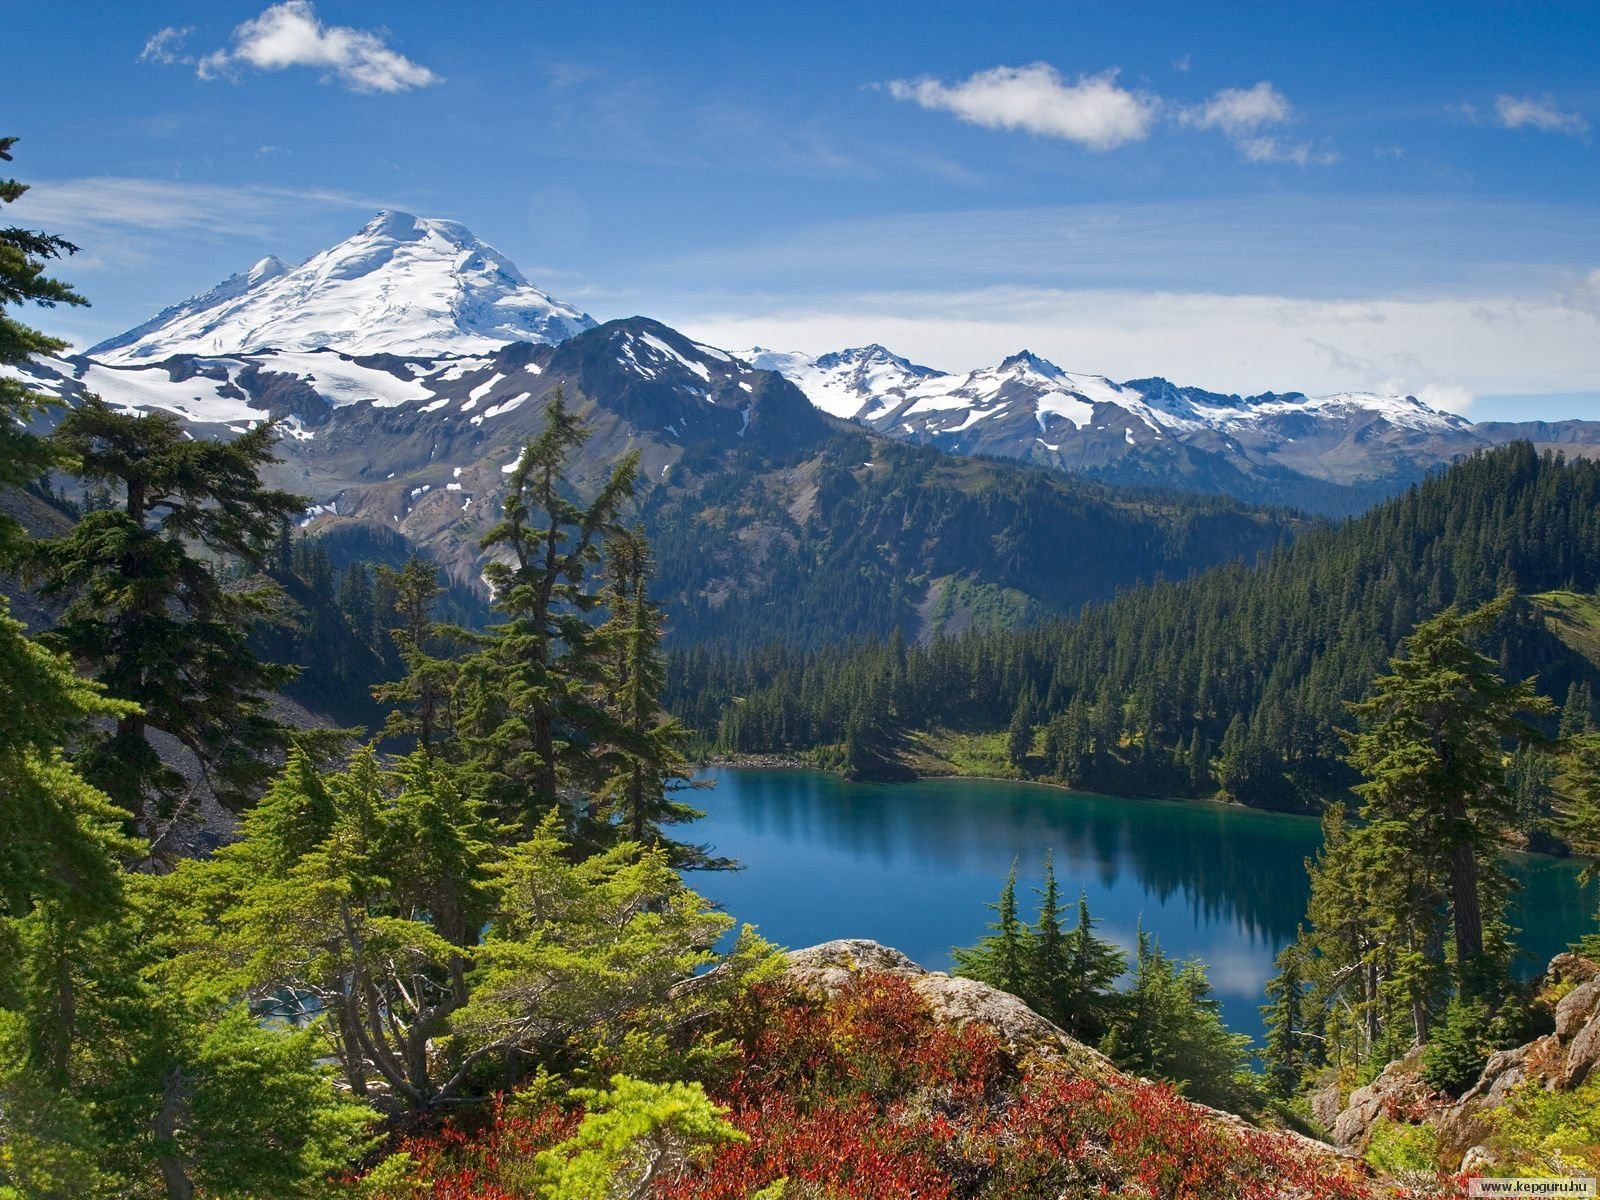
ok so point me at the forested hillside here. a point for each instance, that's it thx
(1235, 680)
(870, 536)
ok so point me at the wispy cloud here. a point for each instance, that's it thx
(1304, 244)
(290, 35)
(117, 205)
(165, 46)
(1245, 116)
(1095, 111)
(1538, 113)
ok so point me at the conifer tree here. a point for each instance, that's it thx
(647, 760)
(110, 1083)
(1019, 734)
(1576, 712)
(530, 692)
(1430, 747)
(1284, 1016)
(24, 257)
(425, 696)
(1580, 823)
(1089, 1004)
(1171, 1027)
(152, 621)
(1001, 959)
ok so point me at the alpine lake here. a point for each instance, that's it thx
(915, 865)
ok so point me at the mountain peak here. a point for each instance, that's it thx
(402, 284)
(872, 354)
(267, 268)
(391, 222)
(1027, 359)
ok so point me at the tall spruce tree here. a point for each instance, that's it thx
(1431, 749)
(1406, 919)
(1580, 819)
(646, 762)
(532, 691)
(1284, 1014)
(1170, 1026)
(110, 1084)
(1088, 1004)
(1001, 959)
(153, 621)
(425, 696)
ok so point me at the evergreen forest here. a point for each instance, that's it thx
(1234, 682)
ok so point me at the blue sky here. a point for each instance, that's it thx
(1236, 196)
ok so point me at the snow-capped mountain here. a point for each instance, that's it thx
(413, 347)
(402, 285)
(422, 444)
(854, 384)
(1144, 430)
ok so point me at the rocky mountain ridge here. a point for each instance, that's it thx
(1265, 448)
(409, 307)
(762, 507)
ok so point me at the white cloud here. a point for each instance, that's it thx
(1239, 112)
(1451, 397)
(165, 46)
(290, 35)
(1094, 112)
(1515, 112)
(1243, 115)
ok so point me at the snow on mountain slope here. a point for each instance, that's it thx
(231, 289)
(873, 385)
(402, 285)
(859, 383)
(1140, 430)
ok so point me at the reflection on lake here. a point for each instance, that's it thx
(913, 866)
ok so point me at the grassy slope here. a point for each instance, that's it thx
(1574, 618)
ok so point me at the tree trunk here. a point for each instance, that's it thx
(169, 1161)
(1466, 913)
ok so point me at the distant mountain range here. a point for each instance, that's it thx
(772, 519)
(407, 363)
(1330, 453)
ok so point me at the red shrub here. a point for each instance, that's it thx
(865, 1096)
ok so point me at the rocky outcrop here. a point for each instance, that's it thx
(1023, 1033)
(1560, 1061)
(1398, 1093)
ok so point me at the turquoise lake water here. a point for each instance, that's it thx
(913, 865)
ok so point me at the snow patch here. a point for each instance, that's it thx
(504, 406)
(661, 347)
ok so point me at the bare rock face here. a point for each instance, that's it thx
(1560, 1061)
(1327, 1104)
